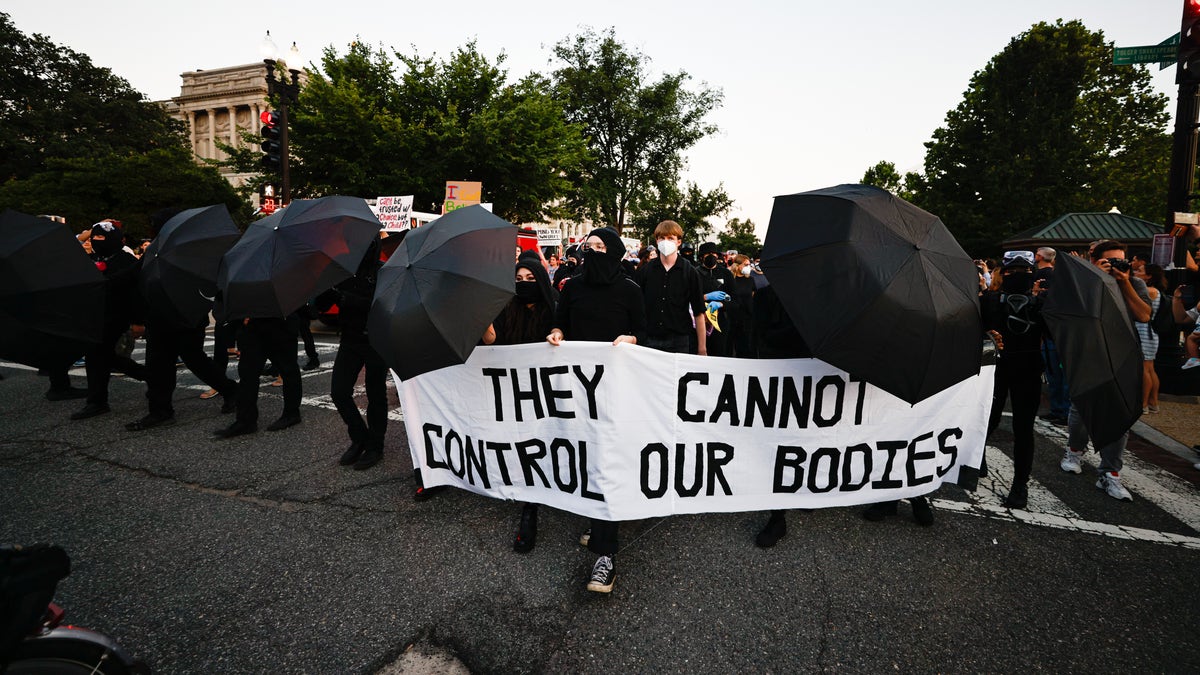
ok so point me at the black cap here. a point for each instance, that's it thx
(708, 247)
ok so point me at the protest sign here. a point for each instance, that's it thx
(460, 193)
(625, 432)
(394, 212)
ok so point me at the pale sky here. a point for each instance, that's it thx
(815, 92)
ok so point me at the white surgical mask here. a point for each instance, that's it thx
(666, 247)
(746, 269)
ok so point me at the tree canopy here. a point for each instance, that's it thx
(78, 141)
(372, 126)
(739, 235)
(689, 206)
(636, 129)
(1048, 126)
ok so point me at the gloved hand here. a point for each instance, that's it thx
(718, 296)
(714, 305)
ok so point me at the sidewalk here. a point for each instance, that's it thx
(1174, 430)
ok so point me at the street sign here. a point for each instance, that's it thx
(1173, 40)
(1125, 56)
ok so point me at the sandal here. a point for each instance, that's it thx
(208, 394)
(278, 382)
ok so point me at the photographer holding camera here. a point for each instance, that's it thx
(1109, 256)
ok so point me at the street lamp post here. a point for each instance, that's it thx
(287, 92)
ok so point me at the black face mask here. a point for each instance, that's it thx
(1017, 283)
(528, 291)
(601, 268)
(709, 261)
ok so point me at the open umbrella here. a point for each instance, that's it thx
(51, 294)
(877, 287)
(289, 257)
(179, 269)
(440, 290)
(1100, 352)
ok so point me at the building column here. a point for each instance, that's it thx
(255, 123)
(233, 135)
(191, 119)
(211, 150)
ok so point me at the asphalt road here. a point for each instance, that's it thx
(260, 554)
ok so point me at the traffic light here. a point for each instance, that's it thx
(271, 145)
(1189, 44)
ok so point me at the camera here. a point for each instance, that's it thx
(1119, 264)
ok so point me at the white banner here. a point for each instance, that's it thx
(626, 432)
(548, 236)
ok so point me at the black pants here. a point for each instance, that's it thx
(310, 346)
(604, 537)
(224, 339)
(263, 339)
(352, 356)
(100, 361)
(163, 343)
(1018, 377)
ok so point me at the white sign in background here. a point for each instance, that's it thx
(626, 432)
(394, 212)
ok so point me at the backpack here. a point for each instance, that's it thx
(1163, 322)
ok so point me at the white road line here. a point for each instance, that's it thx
(1157, 486)
(994, 488)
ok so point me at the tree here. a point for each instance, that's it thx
(359, 129)
(739, 236)
(55, 104)
(1048, 126)
(690, 206)
(637, 130)
(885, 175)
(128, 188)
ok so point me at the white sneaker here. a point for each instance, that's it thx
(1190, 363)
(1111, 483)
(1070, 462)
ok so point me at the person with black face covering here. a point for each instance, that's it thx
(355, 354)
(567, 269)
(166, 340)
(716, 282)
(121, 307)
(1015, 314)
(526, 319)
(600, 305)
(775, 337)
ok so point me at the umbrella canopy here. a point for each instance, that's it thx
(289, 257)
(179, 268)
(441, 288)
(1100, 352)
(51, 294)
(877, 287)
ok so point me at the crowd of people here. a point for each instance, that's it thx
(668, 296)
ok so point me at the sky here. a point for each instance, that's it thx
(814, 92)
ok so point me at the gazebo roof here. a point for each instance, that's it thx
(1083, 228)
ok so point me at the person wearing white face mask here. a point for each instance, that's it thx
(670, 287)
(742, 309)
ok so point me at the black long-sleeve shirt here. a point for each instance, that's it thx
(594, 313)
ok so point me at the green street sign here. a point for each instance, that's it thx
(1173, 40)
(1125, 56)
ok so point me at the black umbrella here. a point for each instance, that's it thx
(289, 257)
(440, 290)
(1100, 351)
(179, 268)
(51, 294)
(877, 287)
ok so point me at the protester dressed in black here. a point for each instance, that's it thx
(776, 337)
(1015, 314)
(526, 319)
(716, 282)
(353, 297)
(600, 305)
(739, 321)
(261, 339)
(167, 339)
(122, 306)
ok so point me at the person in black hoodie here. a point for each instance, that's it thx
(166, 340)
(1015, 313)
(527, 318)
(355, 353)
(600, 304)
(775, 337)
(716, 281)
(121, 308)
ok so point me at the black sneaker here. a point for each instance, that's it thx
(284, 422)
(1018, 497)
(90, 410)
(312, 363)
(526, 529)
(922, 511)
(423, 493)
(603, 575)
(149, 422)
(880, 510)
(775, 529)
(351, 454)
(369, 458)
(68, 394)
(236, 429)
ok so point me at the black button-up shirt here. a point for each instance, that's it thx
(668, 294)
